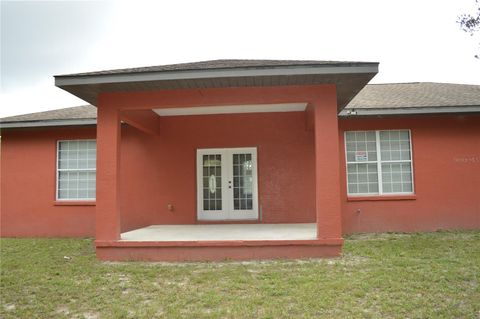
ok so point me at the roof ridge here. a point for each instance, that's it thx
(211, 64)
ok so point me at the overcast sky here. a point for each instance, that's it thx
(414, 40)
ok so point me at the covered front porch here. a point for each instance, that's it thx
(254, 149)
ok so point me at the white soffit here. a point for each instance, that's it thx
(230, 109)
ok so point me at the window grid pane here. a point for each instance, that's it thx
(394, 145)
(361, 146)
(76, 170)
(363, 162)
(397, 177)
(212, 182)
(77, 155)
(76, 185)
(362, 178)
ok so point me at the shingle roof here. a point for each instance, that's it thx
(373, 96)
(416, 95)
(216, 65)
(76, 112)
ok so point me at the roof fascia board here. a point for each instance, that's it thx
(61, 80)
(359, 112)
(49, 123)
(410, 111)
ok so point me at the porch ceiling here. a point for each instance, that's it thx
(230, 109)
(349, 77)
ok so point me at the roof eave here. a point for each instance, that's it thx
(66, 80)
(48, 123)
(358, 112)
(88, 87)
(347, 113)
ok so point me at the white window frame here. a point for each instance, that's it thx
(57, 171)
(379, 163)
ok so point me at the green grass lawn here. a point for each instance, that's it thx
(425, 275)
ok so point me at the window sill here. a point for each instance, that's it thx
(74, 203)
(381, 198)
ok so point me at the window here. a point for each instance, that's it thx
(379, 162)
(76, 169)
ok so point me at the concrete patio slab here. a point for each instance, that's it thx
(176, 233)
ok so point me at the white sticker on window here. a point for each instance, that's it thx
(361, 156)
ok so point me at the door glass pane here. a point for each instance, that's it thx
(212, 181)
(242, 181)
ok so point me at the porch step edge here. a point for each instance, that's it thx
(223, 243)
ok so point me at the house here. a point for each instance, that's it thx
(241, 159)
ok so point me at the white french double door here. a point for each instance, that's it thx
(227, 184)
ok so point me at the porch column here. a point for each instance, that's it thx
(107, 220)
(327, 174)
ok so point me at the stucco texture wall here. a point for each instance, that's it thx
(168, 164)
(28, 175)
(160, 170)
(446, 162)
(157, 171)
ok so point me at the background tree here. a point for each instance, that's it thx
(471, 23)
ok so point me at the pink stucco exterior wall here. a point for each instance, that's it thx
(160, 170)
(28, 207)
(446, 161)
